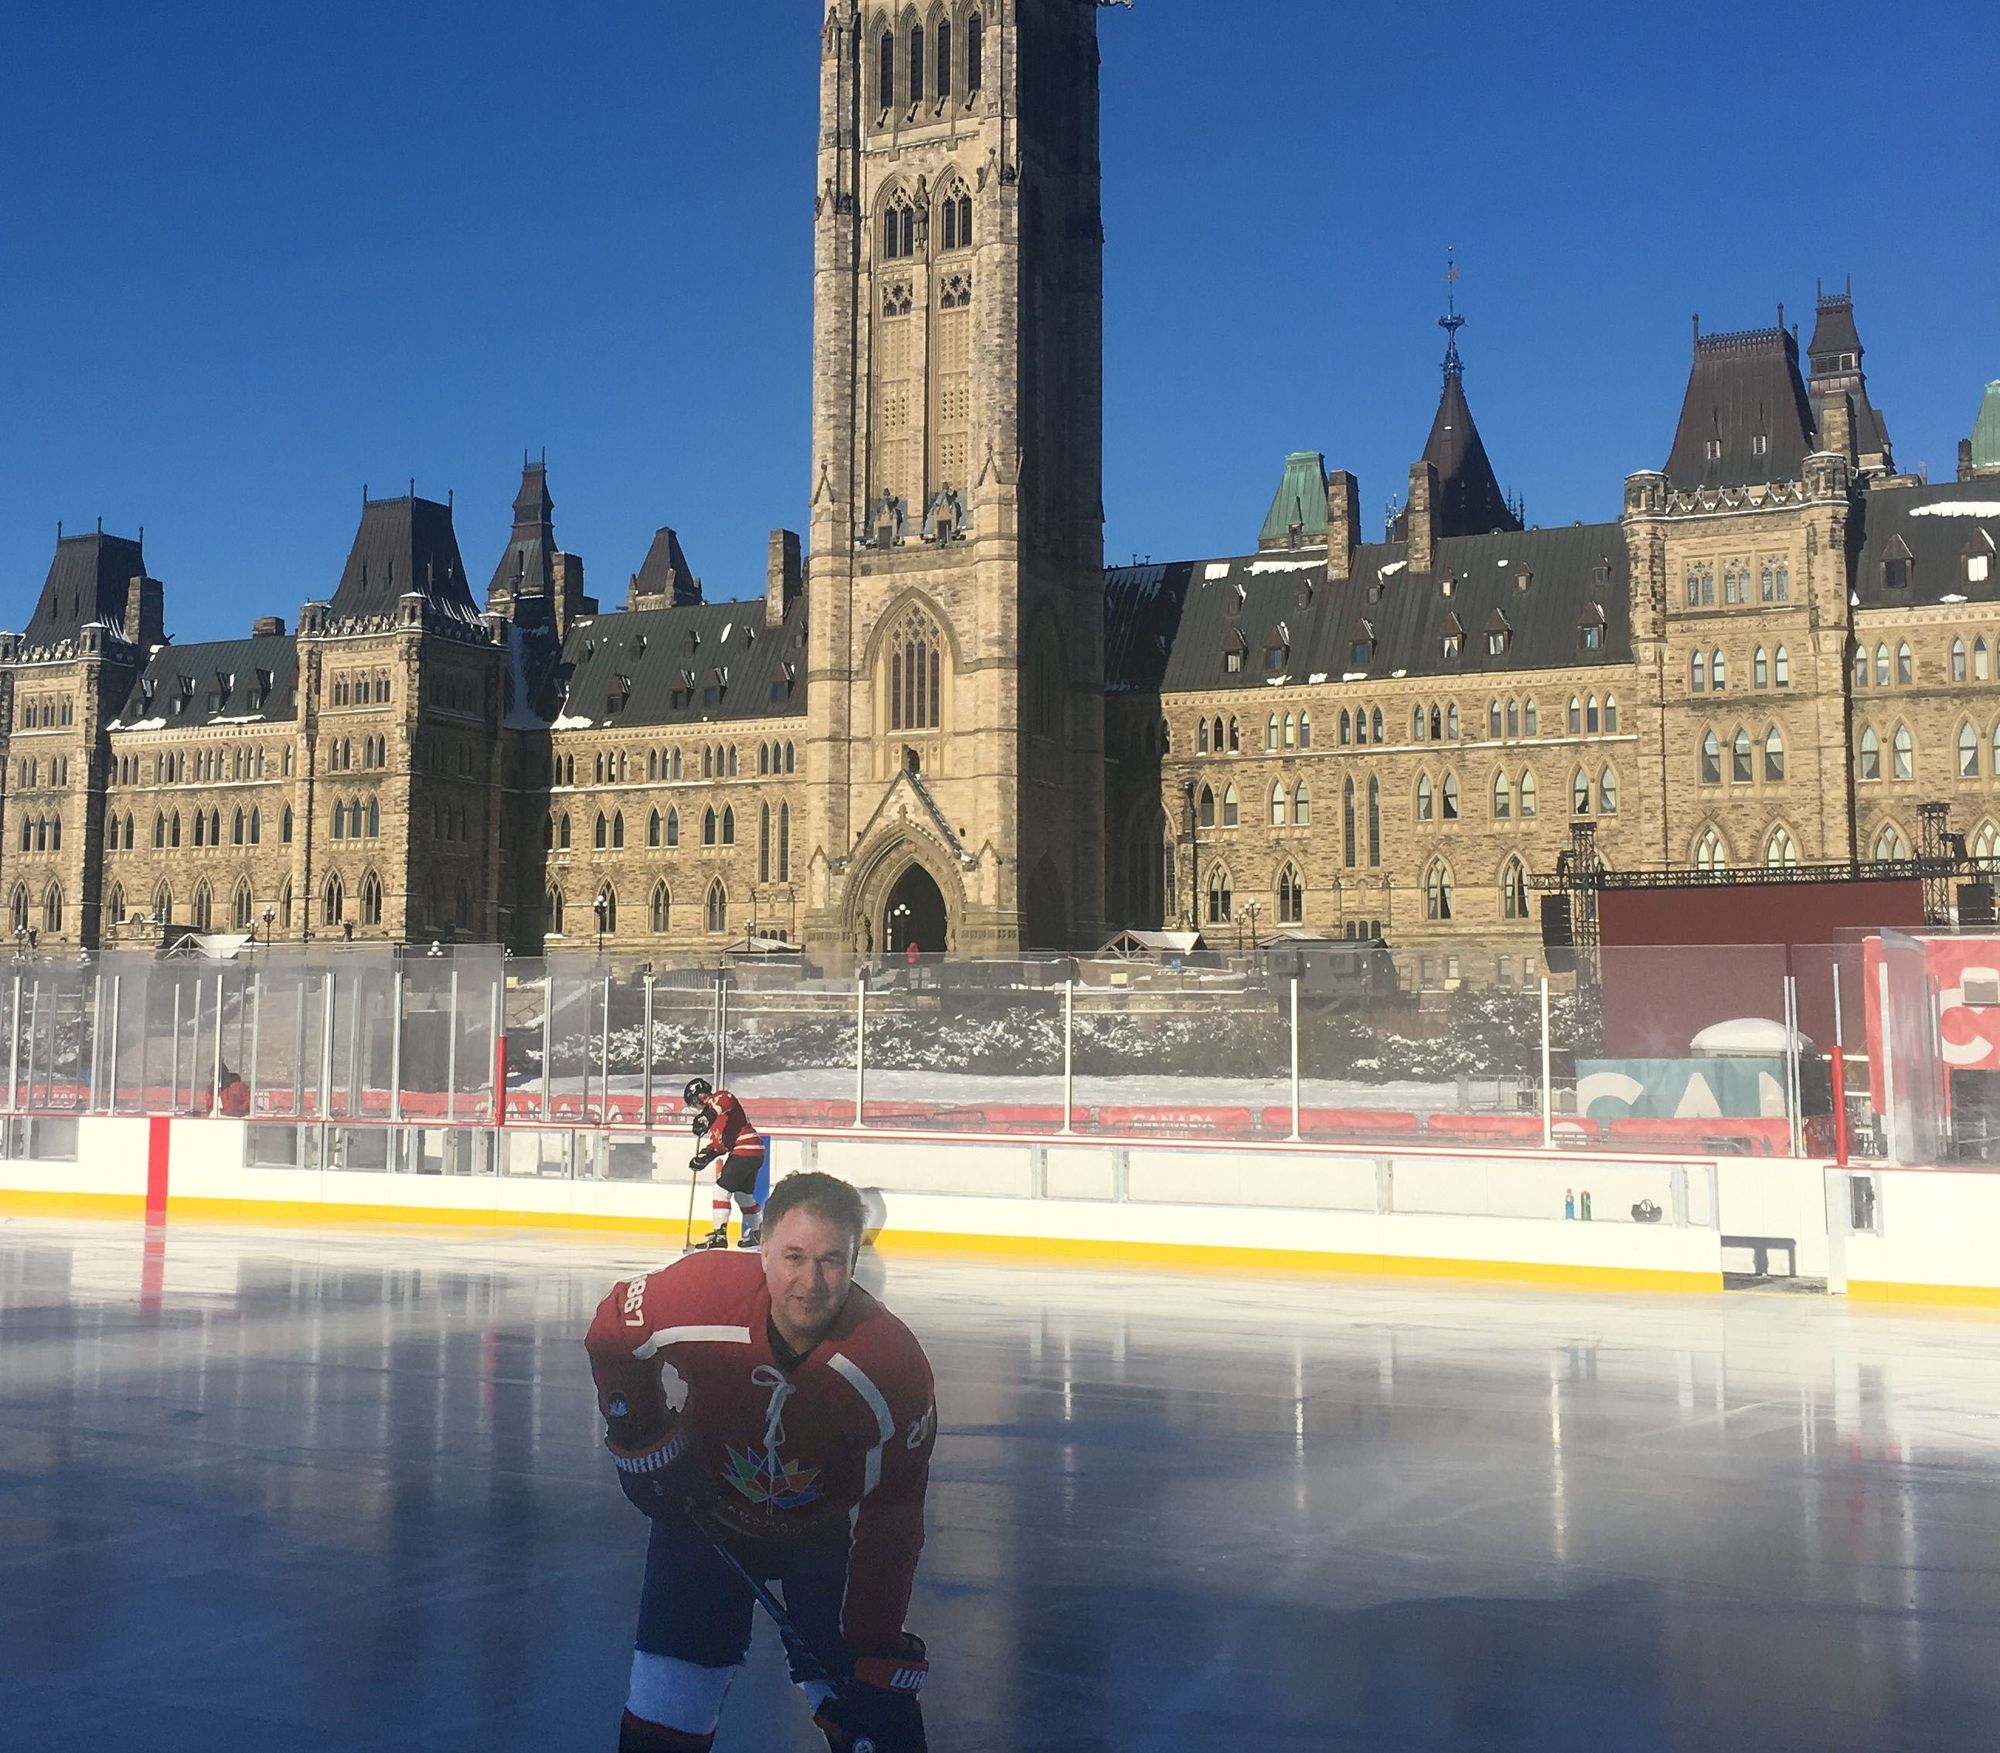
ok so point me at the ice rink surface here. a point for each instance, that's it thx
(267, 1490)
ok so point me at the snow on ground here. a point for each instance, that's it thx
(975, 1089)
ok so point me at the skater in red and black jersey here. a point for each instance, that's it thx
(803, 1448)
(726, 1136)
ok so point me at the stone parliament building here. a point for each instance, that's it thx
(946, 721)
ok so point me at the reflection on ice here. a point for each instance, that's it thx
(345, 1491)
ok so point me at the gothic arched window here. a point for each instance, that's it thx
(975, 53)
(662, 910)
(718, 907)
(1437, 890)
(202, 916)
(1514, 890)
(1291, 896)
(899, 228)
(1221, 901)
(333, 901)
(915, 664)
(556, 910)
(371, 899)
(885, 72)
(1302, 805)
(1781, 849)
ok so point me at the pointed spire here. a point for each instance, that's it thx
(1468, 500)
(1451, 322)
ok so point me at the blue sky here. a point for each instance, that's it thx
(251, 258)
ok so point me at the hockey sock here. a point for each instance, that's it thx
(722, 1211)
(747, 1204)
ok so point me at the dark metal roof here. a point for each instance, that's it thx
(1171, 628)
(235, 681)
(87, 581)
(656, 666)
(1469, 501)
(666, 572)
(404, 545)
(1835, 354)
(1834, 332)
(1938, 527)
(1741, 388)
(527, 568)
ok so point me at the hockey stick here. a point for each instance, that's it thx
(687, 1238)
(810, 1665)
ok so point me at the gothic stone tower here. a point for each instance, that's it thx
(956, 588)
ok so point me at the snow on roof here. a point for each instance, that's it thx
(1959, 508)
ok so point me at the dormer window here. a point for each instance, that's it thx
(1362, 649)
(1713, 450)
(1446, 585)
(1760, 445)
(1896, 560)
(1496, 642)
(1590, 630)
(1979, 558)
(1454, 646)
(1277, 649)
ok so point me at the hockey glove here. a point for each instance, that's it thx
(879, 1712)
(701, 1159)
(658, 1476)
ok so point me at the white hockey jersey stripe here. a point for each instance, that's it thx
(691, 1335)
(885, 1425)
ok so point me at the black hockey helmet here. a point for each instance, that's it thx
(698, 1090)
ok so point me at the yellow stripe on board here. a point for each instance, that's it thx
(1185, 1256)
(1957, 1296)
(1170, 1256)
(15, 1202)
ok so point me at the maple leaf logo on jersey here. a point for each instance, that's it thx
(763, 1478)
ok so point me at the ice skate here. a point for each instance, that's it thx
(752, 1236)
(716, 1238)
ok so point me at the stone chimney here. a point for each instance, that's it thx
(1836, 426)
(145, 613)
(268, 627)
(571, 603)
(1421, 519)
(784, 574)
(1343, 525)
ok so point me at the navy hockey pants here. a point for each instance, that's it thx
(694, 1608)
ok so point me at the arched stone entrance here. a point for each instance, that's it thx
(914, 913)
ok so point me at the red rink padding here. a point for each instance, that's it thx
(1120, 1119)
(1018, 1117)
(1485, 1128)
(1729, 1135)
(1342, 1122)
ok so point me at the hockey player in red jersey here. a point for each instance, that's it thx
(725, 1133)
(804, 1446)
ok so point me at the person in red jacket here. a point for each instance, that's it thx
(804, 1446)
(725, 1133)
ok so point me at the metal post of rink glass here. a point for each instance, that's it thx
(14, 1049)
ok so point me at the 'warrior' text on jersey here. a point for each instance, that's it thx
(849, 1431)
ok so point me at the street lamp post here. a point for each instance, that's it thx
(598, 907)
(1250, 911)
(270, 915)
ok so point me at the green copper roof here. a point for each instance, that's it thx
(1300, 501)
(1986, 431)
